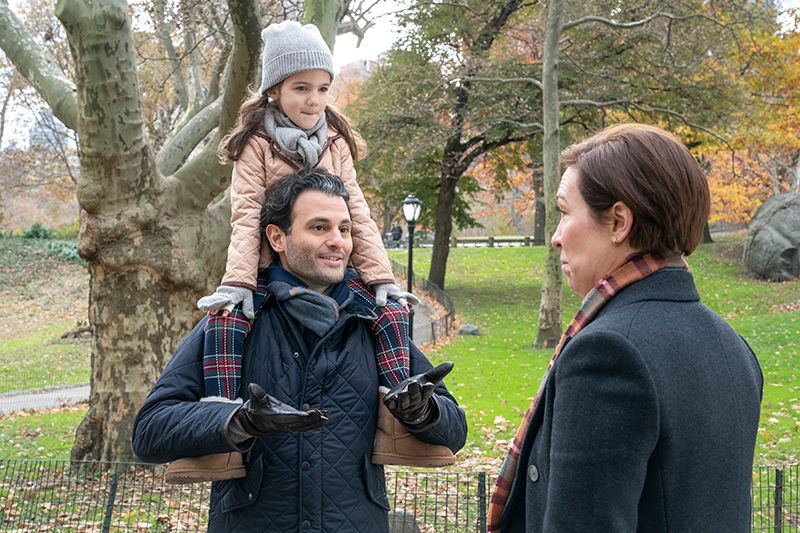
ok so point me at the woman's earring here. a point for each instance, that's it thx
(614, 240)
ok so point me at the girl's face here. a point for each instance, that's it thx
(303, 97)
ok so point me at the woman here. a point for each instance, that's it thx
(646, 418)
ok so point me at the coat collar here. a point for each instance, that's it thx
(668, 285)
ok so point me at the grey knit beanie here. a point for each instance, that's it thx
(290, 48)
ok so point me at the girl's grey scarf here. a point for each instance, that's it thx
(301, 145)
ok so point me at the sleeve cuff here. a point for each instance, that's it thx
(236, 437)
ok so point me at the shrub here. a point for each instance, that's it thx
(38, 231)
(66, 250)
(68, 232)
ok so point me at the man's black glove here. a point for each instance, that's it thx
(264, 415)
(410, 400)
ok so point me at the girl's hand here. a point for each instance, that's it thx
(225, 298)
(390, 290)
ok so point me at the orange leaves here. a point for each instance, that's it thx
(736, 189)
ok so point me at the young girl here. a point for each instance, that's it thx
(285, 126)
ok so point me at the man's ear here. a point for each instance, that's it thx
(276, 237)
(621, 222)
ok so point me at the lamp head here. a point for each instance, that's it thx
(412, 207)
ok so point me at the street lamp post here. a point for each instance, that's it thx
(412, 207)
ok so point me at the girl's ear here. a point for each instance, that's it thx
(621, 221)
(274, 91)
(276, 237)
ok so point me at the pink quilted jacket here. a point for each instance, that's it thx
(259, 165)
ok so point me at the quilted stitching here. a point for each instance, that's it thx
(330, 493)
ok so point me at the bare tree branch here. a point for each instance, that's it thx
(647, 109)
(197, 94)
(219, 70)
(532, 81)
(201, 179)
(162, 30)
(38, 67)
(359, 20)
(636, 23)
(179, 146)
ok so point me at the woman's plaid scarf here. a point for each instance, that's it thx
(635, 269)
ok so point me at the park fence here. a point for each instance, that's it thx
(63, 496)
(441, 326)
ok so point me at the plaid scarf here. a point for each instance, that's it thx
(635, 269)
(225, 335)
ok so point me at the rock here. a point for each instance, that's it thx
(469, 329)
(403, 522)
(773, 237)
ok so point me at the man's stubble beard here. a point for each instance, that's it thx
(302, 263)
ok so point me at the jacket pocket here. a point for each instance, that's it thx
(241, 492)
(375, 483)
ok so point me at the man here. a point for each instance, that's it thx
(309, 423)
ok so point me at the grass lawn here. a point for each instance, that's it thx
(46, 434)
(43, 296)
(38, 359)
(497, 373)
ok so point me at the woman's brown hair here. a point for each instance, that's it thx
(654, 174)
(251, 118)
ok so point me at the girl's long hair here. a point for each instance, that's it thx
(251, 118)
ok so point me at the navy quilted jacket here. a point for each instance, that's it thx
(316, 481)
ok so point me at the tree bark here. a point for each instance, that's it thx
(325, 15)
(707, 234)
(539, 213)
(549, 330)
(443, 230)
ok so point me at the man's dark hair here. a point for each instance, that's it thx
(278, 206)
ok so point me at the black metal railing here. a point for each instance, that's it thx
(442, 325)
(40, 495)
(47, 495)
(776, 498)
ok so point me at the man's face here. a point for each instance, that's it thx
(318, 245)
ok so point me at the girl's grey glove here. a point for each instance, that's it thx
(263, 415)
(226, 297)
(384, 290)
(410, 400)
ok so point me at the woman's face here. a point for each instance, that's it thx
(587, 251)
(303, 97)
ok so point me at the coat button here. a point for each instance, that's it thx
(295, 355)
(533, 473)
(306, 406)
(306, 465)
(250, 496)
(306, 524)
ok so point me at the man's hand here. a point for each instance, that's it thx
(226, 297)
(409, 401)
(390, 290)
(264, 415)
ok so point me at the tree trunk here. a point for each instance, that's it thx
(707, 234)
(443, 229)
(153, 244)
(539, 216)
(549, 330)
(325, 15)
